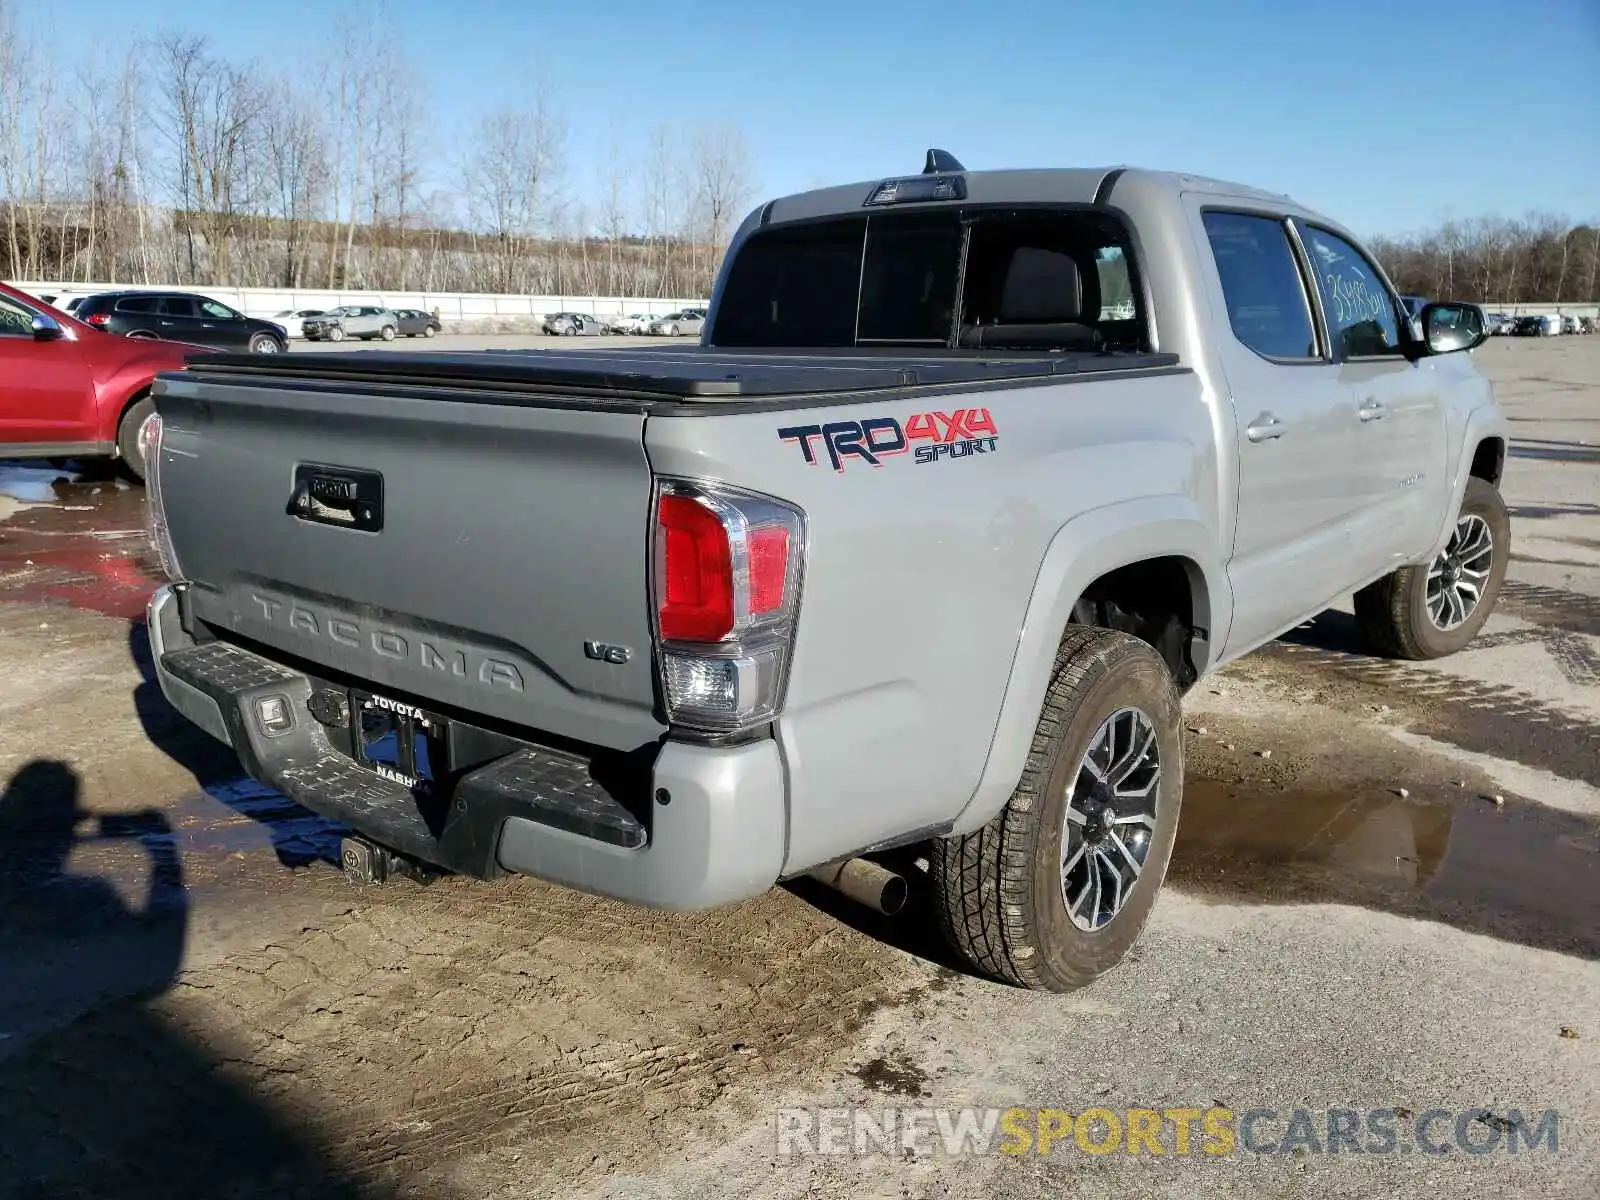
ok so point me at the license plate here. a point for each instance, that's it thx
(399, 741)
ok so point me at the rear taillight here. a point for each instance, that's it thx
(727, 585)
(99, 320)
(150, 436)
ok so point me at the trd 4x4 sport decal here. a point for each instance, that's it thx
(945, 435)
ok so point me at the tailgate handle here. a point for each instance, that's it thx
(345, 497)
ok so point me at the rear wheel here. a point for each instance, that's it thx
(142, 333)
(387, 333)
(128, 428)
(1436, 608)
(1054, 891)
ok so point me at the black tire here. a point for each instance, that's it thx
(387, 333)
(336, 334)
(1393, 613)
(265, 343)
(999, 891)
(429, 331)
(143, 333)
(132, 458)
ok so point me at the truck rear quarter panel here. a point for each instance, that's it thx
(919, 575)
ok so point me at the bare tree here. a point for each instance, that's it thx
(401, 148)
(511, 162)
(30, 152)
(723, 180)
(295, 143)
(206, 113)
(614, 180)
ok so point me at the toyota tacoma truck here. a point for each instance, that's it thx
(971, 475)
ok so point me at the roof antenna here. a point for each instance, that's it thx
(940, 161)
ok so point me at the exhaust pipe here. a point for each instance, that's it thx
(866, 883)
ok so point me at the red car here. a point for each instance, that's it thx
(68, 390)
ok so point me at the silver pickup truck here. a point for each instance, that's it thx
(673, 625)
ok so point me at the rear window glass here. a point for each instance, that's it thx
(794, 287)
(908, 283)
(1032, 280)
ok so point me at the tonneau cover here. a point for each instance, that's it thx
(673, 374)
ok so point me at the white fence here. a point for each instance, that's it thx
(1543, 310)
(452, 306)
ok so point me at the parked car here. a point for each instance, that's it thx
(1536, 326)
(687, 322)
(292, 319)
(635, 323)
(1497, 324)
(571, 324)
(619, 701)
(416, 323)
(69, 390)
(363, 321)
(1569, 324)
(182, 317)
(1586, 325)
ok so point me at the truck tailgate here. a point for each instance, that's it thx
(445, 550)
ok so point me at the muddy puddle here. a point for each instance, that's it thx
(1521, 872)
(74, 537)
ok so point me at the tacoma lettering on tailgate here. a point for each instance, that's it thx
(947, 435)
(430, 653)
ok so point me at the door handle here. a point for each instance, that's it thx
(1371, 410)
(1264, 428)
(166, 322)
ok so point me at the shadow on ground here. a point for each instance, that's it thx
(101, 1095)
(299, 837)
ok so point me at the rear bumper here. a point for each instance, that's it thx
(719, 836)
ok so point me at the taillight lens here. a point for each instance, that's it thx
(697, 571)
(150, 437)
(98, 320)
(727, 585)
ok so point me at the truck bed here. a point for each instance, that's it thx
(648, 378)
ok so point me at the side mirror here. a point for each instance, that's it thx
(1447, 328)
(45, 329)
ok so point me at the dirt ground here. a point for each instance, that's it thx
(193, 1001)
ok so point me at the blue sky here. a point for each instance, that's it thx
(1390, 116)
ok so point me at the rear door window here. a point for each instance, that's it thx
(1268, 308)
(140, 304)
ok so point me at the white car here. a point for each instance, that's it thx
(635, 323)
(679, 324)
(291, 318)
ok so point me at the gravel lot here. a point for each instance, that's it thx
(194, 1002)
